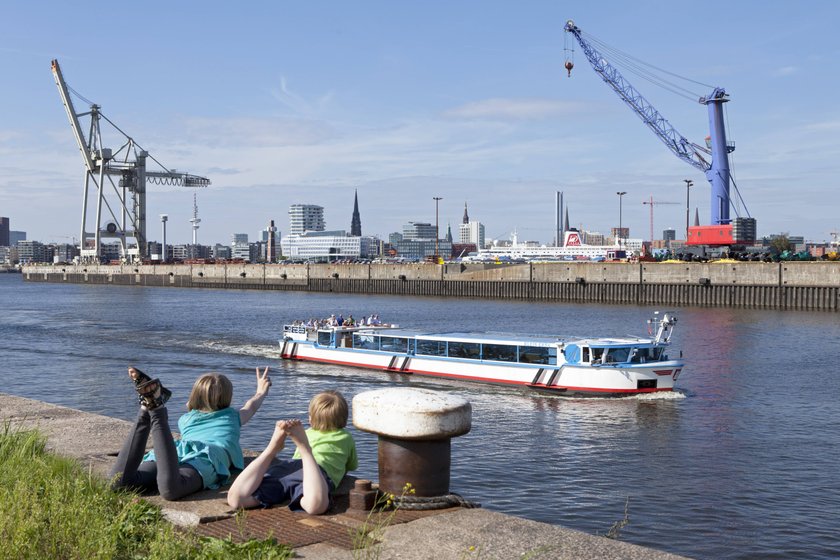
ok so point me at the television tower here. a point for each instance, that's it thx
(195, 220)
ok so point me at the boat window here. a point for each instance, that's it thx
(498, 352)
(324, 338)
(585, 354)
(393, 344)
(431, 347)
(537, 355)
(656, 354)
(366, 341)
(640, 356)
(618, 355)
(470, 350)
(597, 355)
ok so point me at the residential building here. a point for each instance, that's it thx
(31, 252)
(305, 217)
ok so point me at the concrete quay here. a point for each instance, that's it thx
(454, 533)
(783, 285)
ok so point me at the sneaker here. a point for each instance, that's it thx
(138, 376)
(152, 394)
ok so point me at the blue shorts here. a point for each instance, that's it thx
(283, 481)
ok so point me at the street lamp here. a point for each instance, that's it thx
(620, 228)
(163, 219)
(688, 184)
(437, 200)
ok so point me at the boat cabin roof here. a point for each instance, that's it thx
(494, 338)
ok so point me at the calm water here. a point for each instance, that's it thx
(741, 464)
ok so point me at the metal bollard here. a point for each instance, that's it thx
(415, 427)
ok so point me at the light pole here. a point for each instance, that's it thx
(688, 184)
(437, 200)
(620, 228)
(163, 219)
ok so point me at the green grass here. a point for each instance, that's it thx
(53, 508)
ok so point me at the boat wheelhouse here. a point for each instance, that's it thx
(575, 366)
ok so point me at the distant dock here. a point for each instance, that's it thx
(800, 286)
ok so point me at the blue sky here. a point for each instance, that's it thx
(282, 103)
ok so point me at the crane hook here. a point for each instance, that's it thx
(569, 66)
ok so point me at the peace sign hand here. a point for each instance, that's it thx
(263, 381)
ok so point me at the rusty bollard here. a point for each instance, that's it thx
(415, 427)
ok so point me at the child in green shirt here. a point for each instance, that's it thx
(325, 452)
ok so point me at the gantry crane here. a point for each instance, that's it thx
(119, 180)
(653, 203)
(716, 171)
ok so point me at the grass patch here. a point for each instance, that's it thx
(54, 508)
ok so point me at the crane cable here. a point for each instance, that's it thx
(640, 68)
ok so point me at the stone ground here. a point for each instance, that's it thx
(455, 533)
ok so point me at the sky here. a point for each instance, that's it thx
(282, 103)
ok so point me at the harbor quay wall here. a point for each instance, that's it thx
(783, 285)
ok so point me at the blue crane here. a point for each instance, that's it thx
(717, 171)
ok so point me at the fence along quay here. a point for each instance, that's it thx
(783, 285)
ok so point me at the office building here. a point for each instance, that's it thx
(472, 232)
(16, 237)
(328, 246)
(4, 232)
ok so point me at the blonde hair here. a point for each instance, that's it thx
(328, 411)
(210, 392)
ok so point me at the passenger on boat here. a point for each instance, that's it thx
(325, 452)
(340, 320)
(332, 321)
(209, 446)
(349, 322)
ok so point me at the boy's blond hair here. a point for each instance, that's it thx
(210, 392)
(328, 411)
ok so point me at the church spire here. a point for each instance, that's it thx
(356, 221)
(449, 233)
(466, 219)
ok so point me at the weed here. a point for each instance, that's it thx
(616, 528)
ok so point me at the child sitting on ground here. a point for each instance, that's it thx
(325, 452)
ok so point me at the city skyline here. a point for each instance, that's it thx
(307, 104)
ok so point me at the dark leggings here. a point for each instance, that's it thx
(164, 474)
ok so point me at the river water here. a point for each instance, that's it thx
(742, 463)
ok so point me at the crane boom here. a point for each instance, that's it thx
(120, 211)
(716, 171)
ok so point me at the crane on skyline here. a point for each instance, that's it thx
(118, 181)
(653, 203)
(712, 159)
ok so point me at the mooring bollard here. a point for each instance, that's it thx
(415, 427)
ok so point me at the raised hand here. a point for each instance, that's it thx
(263, 381)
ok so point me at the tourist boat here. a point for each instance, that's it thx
(576, 367)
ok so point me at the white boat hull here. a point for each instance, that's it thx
(603, 380)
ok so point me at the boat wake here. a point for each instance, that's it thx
(227, 347)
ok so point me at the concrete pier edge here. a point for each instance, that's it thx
(94, 440)
(783, 285)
